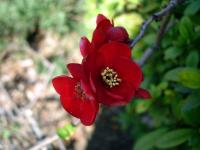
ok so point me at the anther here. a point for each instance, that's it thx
(110, 77)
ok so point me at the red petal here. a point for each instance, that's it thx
(142, 93)
(99, 35)
(64, 85)
(100, 18)
(142, 78)
(71, 105)
(118, 34)
(108, 100)
(76, 70)
(85, 46)
(132, 75)
(87, 89)
(124, 89)
(89, 109)
(105, 96)
(92, 84)
(114, 96)
(90, 64)
(112, 51)
(113, 102)
(119, 95)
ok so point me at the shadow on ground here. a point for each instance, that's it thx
(108, 135)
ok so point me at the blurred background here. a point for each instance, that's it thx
(39, 37)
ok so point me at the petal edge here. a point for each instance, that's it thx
(142, 93)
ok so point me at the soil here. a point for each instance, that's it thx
(108, 134)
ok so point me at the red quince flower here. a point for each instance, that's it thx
(114, 78)
(107, 74)
(105, 32)
(76, 96)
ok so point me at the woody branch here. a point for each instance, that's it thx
(156, 16)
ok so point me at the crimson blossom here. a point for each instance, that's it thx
(107, 74)
(75, 95)
(114, 78)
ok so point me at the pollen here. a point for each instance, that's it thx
(110, 77)
(79, 93)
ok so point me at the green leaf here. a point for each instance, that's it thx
(172, 75)
(191, 109)
(192, 8)
(176, 108)
(148, 141)
(172, 53)
(188, 77)
(70, 128)
(174, 138)
(66, 132)
(6, 133)
(186, 29)
(149, 39)
(194, 140)
(141, 105)
(155, 91)
(192, 59)
(63, 133)
(196, 147)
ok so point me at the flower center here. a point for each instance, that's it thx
(110, 77)
(80, 94)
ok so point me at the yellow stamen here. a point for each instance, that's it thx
(110, 77)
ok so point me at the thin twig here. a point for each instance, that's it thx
(157, 43)
(45, 142)
(156, 16)
(61, 145)
(33, 123)
(9, 101)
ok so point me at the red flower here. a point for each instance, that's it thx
(113, 76)
(76, 96)
(107, 74)
(105, 32)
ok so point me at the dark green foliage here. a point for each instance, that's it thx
(188, 77)
(191, 109)
(174, 138)
(149, 140)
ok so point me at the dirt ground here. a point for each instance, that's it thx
(30, 112)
